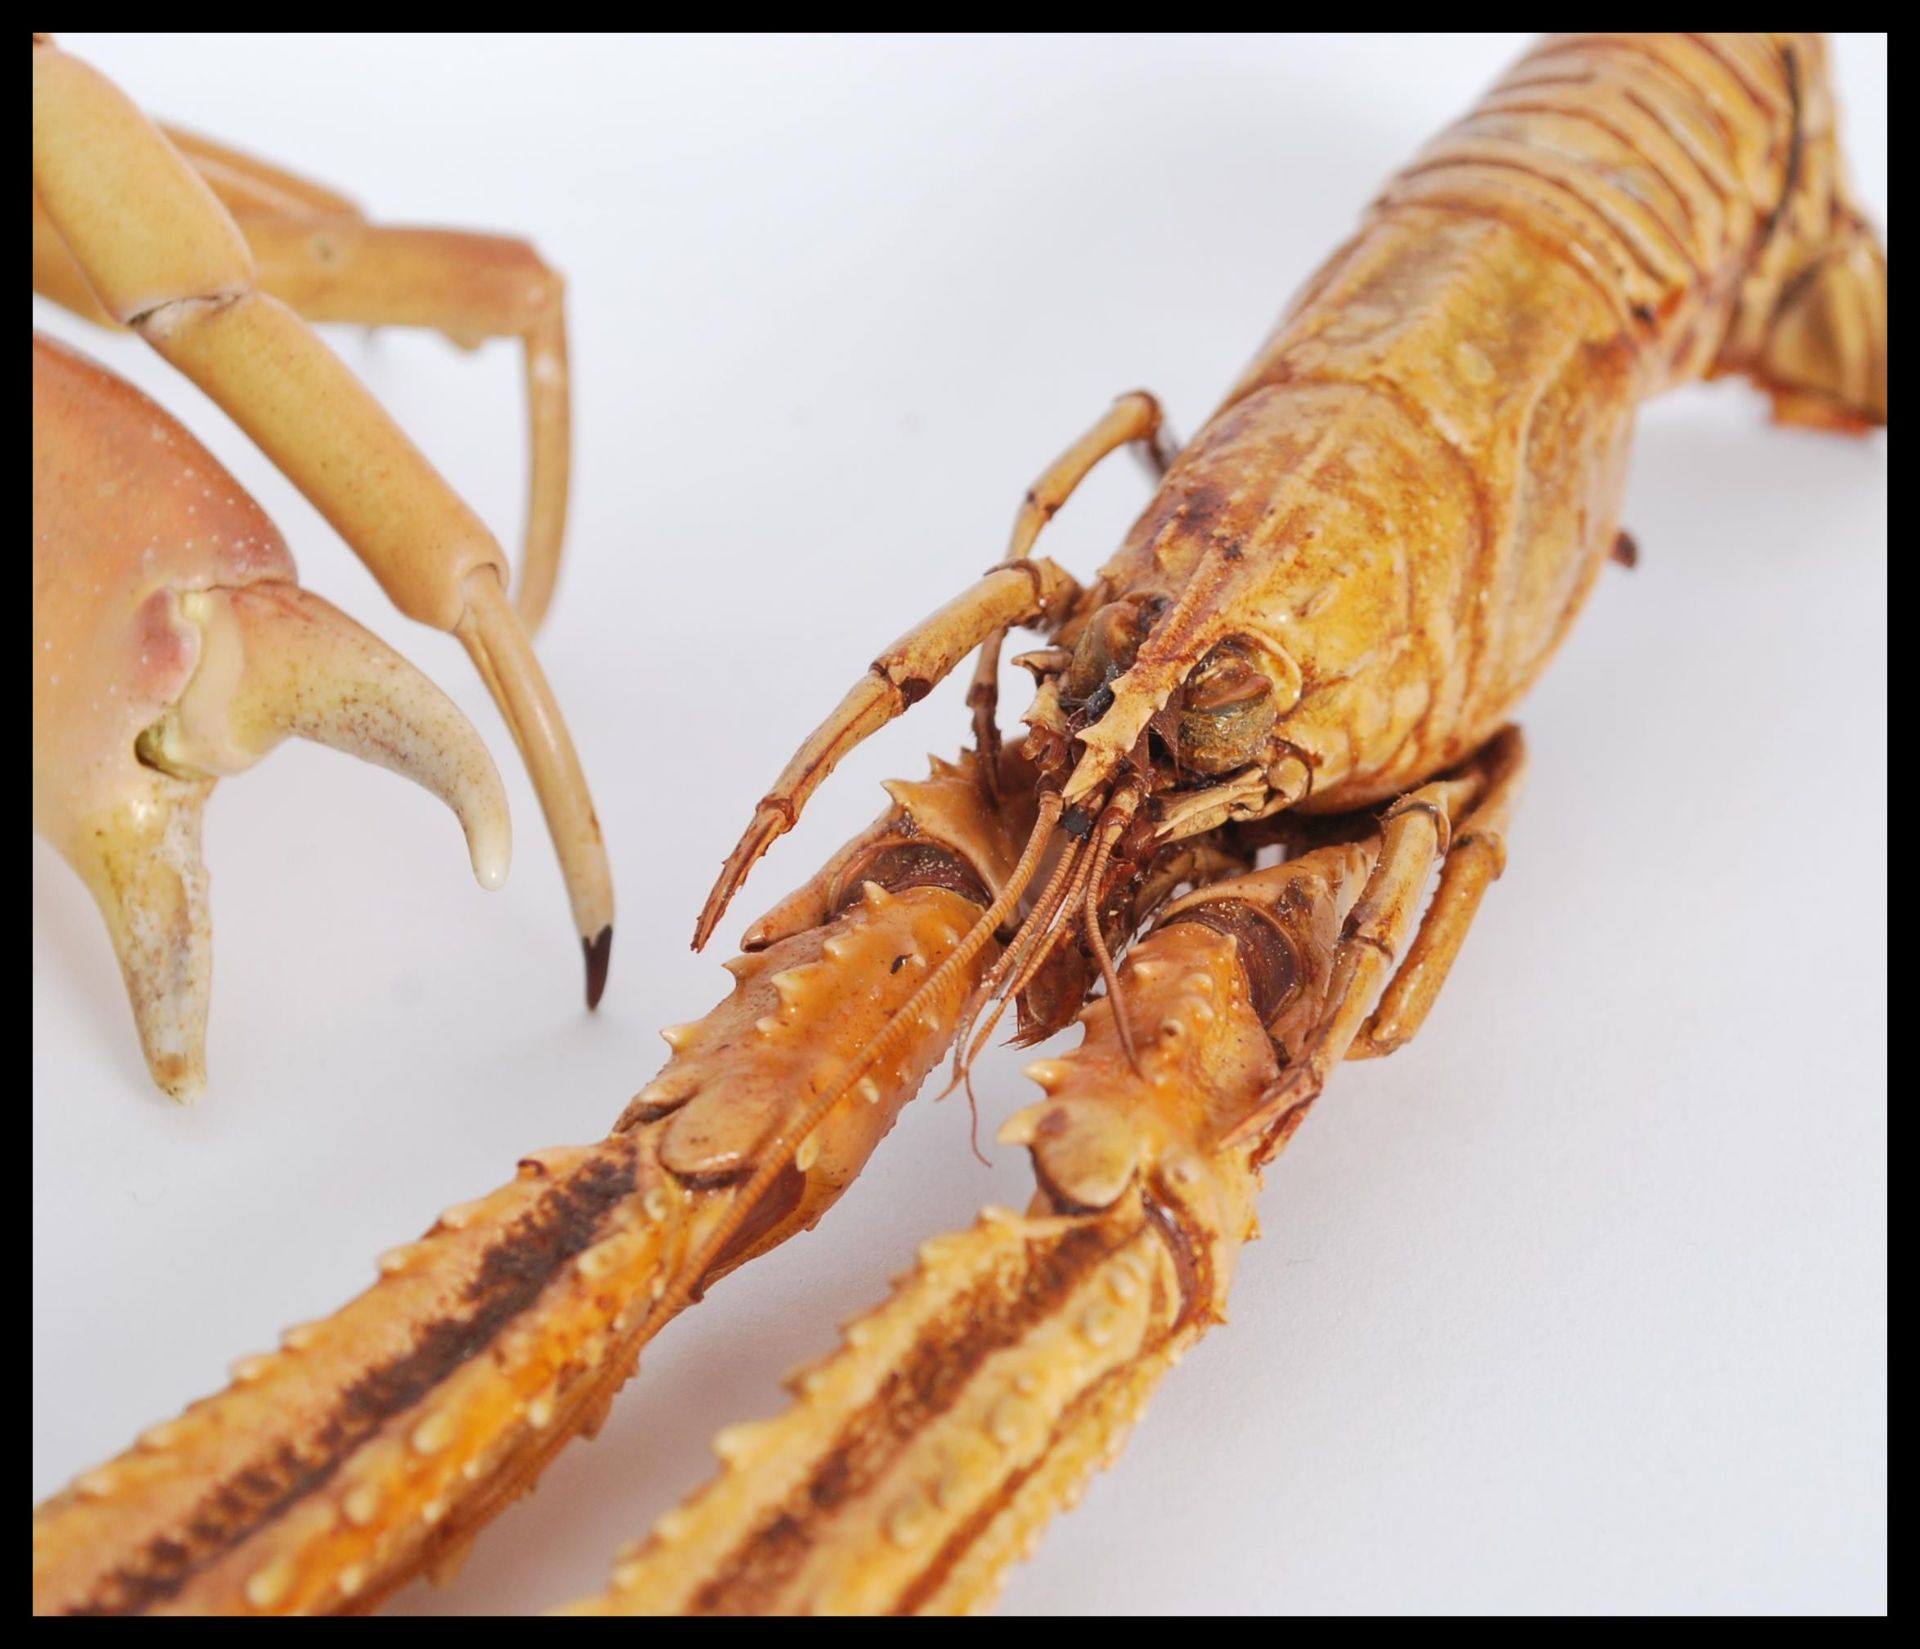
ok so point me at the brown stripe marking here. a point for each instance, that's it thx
(983, 1320)
(511, 1276)
(928, 1582)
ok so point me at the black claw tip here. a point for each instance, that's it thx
(598, 950)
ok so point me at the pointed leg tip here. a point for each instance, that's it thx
(599, 951)
(769, 823)
(710, 914)
(182, 1080)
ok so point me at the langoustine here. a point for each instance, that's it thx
(1340, 590)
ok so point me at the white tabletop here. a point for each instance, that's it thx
(1579, 1303)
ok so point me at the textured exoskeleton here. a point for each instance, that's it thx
(1275, 714)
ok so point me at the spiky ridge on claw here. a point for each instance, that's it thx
(924, 1457)
(374, 1443)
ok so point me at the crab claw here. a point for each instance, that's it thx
(274, 661)
(172, 646)
(141, 861)
(277, 661)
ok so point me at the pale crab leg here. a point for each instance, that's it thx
(1023, 592)
(924, 1457)
(1135, 419)
(246, 183)
(164, 257)
(375, 1442)
(470, 287)
(171, 646)
(314, 250)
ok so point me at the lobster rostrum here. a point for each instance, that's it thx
(1255, 737)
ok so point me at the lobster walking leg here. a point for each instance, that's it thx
(376, 1442)
(1416, 833)
(1134, 419)
(1024, 592)
(163, 256)
(1475, 859)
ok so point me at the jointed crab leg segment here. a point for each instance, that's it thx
(1020, 593)
(314, 250)
(246, 183)
(470, 287)
(498, 645)
(164, 257)
(376, 1441)
(922, 1459)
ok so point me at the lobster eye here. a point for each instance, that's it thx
(1226, 712)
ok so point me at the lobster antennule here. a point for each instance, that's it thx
(1016, 594)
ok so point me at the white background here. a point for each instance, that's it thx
(1577, 1304)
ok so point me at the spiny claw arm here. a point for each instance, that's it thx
(923, 1458)
(374, 1444)
(903, 675)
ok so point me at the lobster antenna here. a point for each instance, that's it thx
(1047, 931)
(776, 1151)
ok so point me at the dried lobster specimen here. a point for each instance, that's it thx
(170, 642)
(1337, 595)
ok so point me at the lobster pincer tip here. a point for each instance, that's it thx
(598, 951)
(769, 821)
